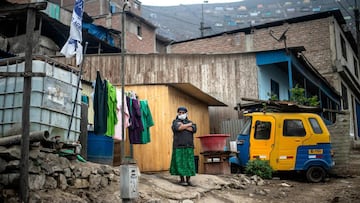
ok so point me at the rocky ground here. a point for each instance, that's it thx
(161, 187)
(58, 180)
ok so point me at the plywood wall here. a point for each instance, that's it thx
(163, 102)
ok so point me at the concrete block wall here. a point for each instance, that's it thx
(347, 157)
(354, 158)
(341, 142)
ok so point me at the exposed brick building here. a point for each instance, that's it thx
(140, 34)
(329, 48)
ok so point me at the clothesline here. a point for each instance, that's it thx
(108, 115)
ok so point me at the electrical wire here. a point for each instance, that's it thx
(345, 9)
(169, 16)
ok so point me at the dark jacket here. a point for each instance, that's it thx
(100, 106)
(184, 138)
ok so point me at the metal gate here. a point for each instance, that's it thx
(231, 127)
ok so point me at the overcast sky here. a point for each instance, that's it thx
(178, 2)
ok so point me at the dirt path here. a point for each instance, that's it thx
(163, 188)
(232, 188)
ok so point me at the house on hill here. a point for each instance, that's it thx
(243, 65)
(49, 34)
(330, 49)
(140, 34)
(103, 21)
(225, 77)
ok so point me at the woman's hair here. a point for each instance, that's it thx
(182, 108)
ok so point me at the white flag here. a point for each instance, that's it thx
(73, 44)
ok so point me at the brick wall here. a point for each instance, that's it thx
(314, 35)
(96, 8)
(134, 43)
(219, 44)
(140, 44)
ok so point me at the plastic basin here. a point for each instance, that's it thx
(213, 142)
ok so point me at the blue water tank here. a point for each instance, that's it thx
(243, 147)
(100, 149)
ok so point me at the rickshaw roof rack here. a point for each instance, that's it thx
(255, 105)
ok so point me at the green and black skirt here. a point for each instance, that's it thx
(183, 162)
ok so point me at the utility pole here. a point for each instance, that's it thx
(356, 15)
(123, 52)
(202, 28)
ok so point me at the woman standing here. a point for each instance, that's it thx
(182, 160)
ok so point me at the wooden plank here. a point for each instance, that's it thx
(19, 74)
(25, 140)
(227, 77)
(21, 7)
(83, 130)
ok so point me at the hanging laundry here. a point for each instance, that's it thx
(132, 95)
(147, 121)
(136, 126)
(100, 106)
(112, 111)
(118, 126)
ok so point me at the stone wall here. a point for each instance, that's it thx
(50, 171)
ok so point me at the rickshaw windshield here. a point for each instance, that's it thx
(245, 130)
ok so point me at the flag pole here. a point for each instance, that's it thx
(77, 89)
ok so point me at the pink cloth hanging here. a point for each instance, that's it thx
(118, 131)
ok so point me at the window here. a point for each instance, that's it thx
(356, 70)
(343, 47)
(315, 126)
(275, 88)
(262, 130)
(245, 130)
(139, 33)
(294, 128)
(136, 5)
(344, 97)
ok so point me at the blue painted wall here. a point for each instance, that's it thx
(267, 62)
(267, 70)
(265, 74)
(264, 58)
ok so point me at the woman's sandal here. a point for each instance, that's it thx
(190, 184)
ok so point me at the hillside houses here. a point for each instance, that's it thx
(101, 23)
(313, 51)
(240, 14)
(329, 48)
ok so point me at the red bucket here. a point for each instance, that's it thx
(213, 142)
